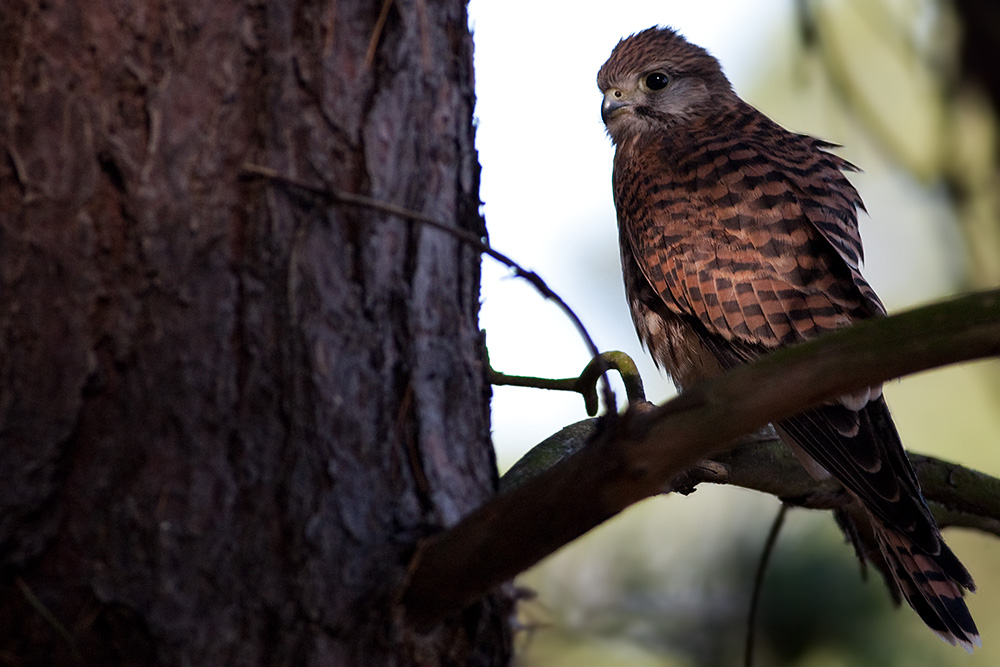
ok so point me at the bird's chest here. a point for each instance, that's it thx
(670, 339)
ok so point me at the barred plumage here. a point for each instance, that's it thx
(738, 237)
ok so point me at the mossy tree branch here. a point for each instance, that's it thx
(959, 496)
(639, 453)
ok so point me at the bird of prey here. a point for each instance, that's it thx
(739, 237)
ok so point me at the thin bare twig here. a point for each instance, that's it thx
(341, 197)
(585, 383)
(383, 15)
(49, 617)
(758, 581)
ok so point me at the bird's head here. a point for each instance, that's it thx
(657, 80)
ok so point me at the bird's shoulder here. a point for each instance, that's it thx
(741, 166)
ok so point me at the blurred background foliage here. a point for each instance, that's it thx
(911, 88)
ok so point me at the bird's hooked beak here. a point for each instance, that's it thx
(614, 101)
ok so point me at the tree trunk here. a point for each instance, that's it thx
(229, 409)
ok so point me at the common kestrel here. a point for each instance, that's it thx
(739, 237)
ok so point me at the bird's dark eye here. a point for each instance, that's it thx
(657, 81)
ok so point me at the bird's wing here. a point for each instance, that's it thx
(899, 537)
(759, 250)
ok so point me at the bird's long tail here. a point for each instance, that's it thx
(921, 579)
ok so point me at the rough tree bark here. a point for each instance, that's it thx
(229, 409)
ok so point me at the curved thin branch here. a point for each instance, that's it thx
(636, 455)
(758, 582)
(586, 383)
(468, 238)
